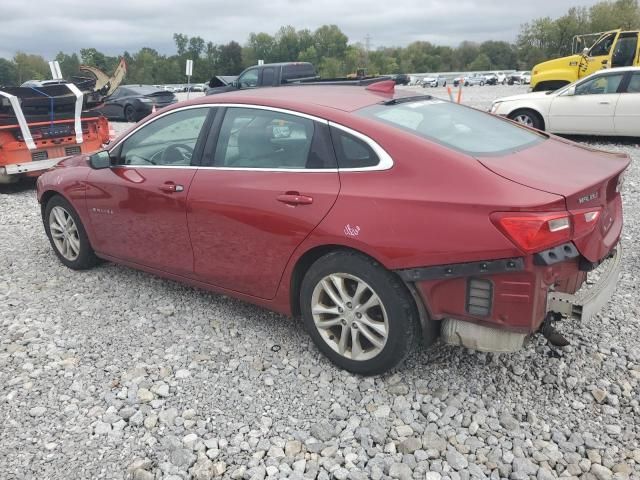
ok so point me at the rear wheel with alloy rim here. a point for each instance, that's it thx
(129, 114)
(528, 118)
(359, 314)
(67, 235)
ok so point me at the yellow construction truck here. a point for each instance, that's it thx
(615, 48)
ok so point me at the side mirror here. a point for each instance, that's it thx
(585, 52)
(571, 91)
(235, 84)
(100, 160)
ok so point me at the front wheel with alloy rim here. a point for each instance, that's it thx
(528, 118)
(359, 314)
(67, 234)
(130, 114)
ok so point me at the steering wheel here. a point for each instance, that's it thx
(176, 154)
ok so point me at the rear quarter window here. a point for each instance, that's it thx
(351, 152)
(302, 70)
(455, 126)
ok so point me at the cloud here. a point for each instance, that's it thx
(48, 26)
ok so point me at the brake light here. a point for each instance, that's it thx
(533, 232)
(584, 221)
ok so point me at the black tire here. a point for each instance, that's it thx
(130, 114)
(86, 257)
(401, 312)
(444, 84)
(534, 117)
(482, 84)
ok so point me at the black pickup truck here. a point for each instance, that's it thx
(267, 75)
(285, 73)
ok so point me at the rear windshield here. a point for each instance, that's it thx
(462, 128)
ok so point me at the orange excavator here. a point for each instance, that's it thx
(42, 123)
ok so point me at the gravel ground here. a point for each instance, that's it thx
(116, 374)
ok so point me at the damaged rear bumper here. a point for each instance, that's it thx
(588, 301)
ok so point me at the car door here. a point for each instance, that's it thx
(588, 108)
(627, 116)
(112, 107)
(269, 181)
(599, 55)
(137, 208)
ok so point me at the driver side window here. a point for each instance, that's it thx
(249, 79)
(600, 85)
(603, 46)
(169, 140)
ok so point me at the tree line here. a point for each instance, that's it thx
(329, 49)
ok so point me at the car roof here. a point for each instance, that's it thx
(311, 99)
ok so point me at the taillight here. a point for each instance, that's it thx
(533, 232)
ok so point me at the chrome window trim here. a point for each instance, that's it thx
(385, 160)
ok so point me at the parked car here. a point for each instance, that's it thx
(491, 79)
(474, 79)
(401, 79)
(604, 103)
(434, 81)
(372, 214)
(134, 102)
(519, 78)
(468, 80)
(501, 77)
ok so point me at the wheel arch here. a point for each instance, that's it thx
(304, 262)
(46, 196)
(528, 108)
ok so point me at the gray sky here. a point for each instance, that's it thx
(48, 26)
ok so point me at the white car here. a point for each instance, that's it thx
(604, 103)
(433, 81)
(502, 77)
(525, 78)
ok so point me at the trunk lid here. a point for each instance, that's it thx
(585, 177)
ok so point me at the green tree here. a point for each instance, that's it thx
(181, 41)
(8, 73)
(69, 64)
(30, 67)
(501, 55)
(330, 41)
(481, 62)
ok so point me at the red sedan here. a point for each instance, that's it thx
(375, 216)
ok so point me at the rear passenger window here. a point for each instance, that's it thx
(255, 138)
(351, 152)
(634, 84)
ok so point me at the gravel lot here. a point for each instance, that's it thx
(117, 374)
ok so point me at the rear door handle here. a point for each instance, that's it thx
(603, 103)
(170, 187)
(294, 198)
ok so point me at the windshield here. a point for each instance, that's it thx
(462, 128)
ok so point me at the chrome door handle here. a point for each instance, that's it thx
(170, 187)
(603, 103)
